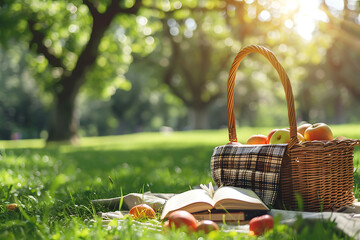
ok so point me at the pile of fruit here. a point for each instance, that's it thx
(177, 219)
(183, 219)
(305, 132)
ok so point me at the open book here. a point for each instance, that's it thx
(224, 201)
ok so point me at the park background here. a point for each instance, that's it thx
(107, 97)
(95, 68)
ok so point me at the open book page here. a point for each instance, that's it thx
(238, 198)
(191, 201)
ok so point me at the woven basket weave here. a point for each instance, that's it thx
(320, 173)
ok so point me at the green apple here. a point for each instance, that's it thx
(280, 136)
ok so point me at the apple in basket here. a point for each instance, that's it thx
(280, 136)
(257, 139)
(301, 137)
(318, 131)
(301, 129)
(283, 136)
(270, 135)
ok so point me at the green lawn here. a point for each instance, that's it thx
(54, 185)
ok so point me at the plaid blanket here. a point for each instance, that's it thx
(255, 167)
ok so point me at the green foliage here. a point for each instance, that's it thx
(53, 186)
(144, 41)
(22, 111)
(66, 28)
(307, 229)
(128, 35)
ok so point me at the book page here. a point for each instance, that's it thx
(190, 200)
(239, 194)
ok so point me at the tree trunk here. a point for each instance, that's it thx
(305, 103)
(339, 111)
(198, 118)
(63, 123)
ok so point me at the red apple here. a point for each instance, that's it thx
(259, 225)
(301, 129)
(257, 139)
(207, 226)
(182, 218)
(280, 136)
(142, 211)
(318, 131)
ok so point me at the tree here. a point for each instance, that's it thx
(22, 113)
(66, 59)
(329, 91)
(64, 55)
(203, 44)
(343, 56)
(196, 68)
(149, 105)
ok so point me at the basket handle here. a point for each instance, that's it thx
(284, 80)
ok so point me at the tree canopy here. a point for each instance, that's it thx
(178, 50)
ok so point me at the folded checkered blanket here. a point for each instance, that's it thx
(255, 167)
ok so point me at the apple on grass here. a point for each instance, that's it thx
(142, 211)
(207, 226)
(318, 131)
(260, 225)
(181, 218)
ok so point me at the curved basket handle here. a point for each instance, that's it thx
(284, 80)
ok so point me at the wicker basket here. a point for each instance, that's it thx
(320, 173)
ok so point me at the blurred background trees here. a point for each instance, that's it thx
(101, 67)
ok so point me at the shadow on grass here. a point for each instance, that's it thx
(78, 175)
(110, 172)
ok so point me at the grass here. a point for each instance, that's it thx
(54, 185)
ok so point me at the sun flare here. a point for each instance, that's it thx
(307, 14)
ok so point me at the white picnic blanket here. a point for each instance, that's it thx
(346, 218)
